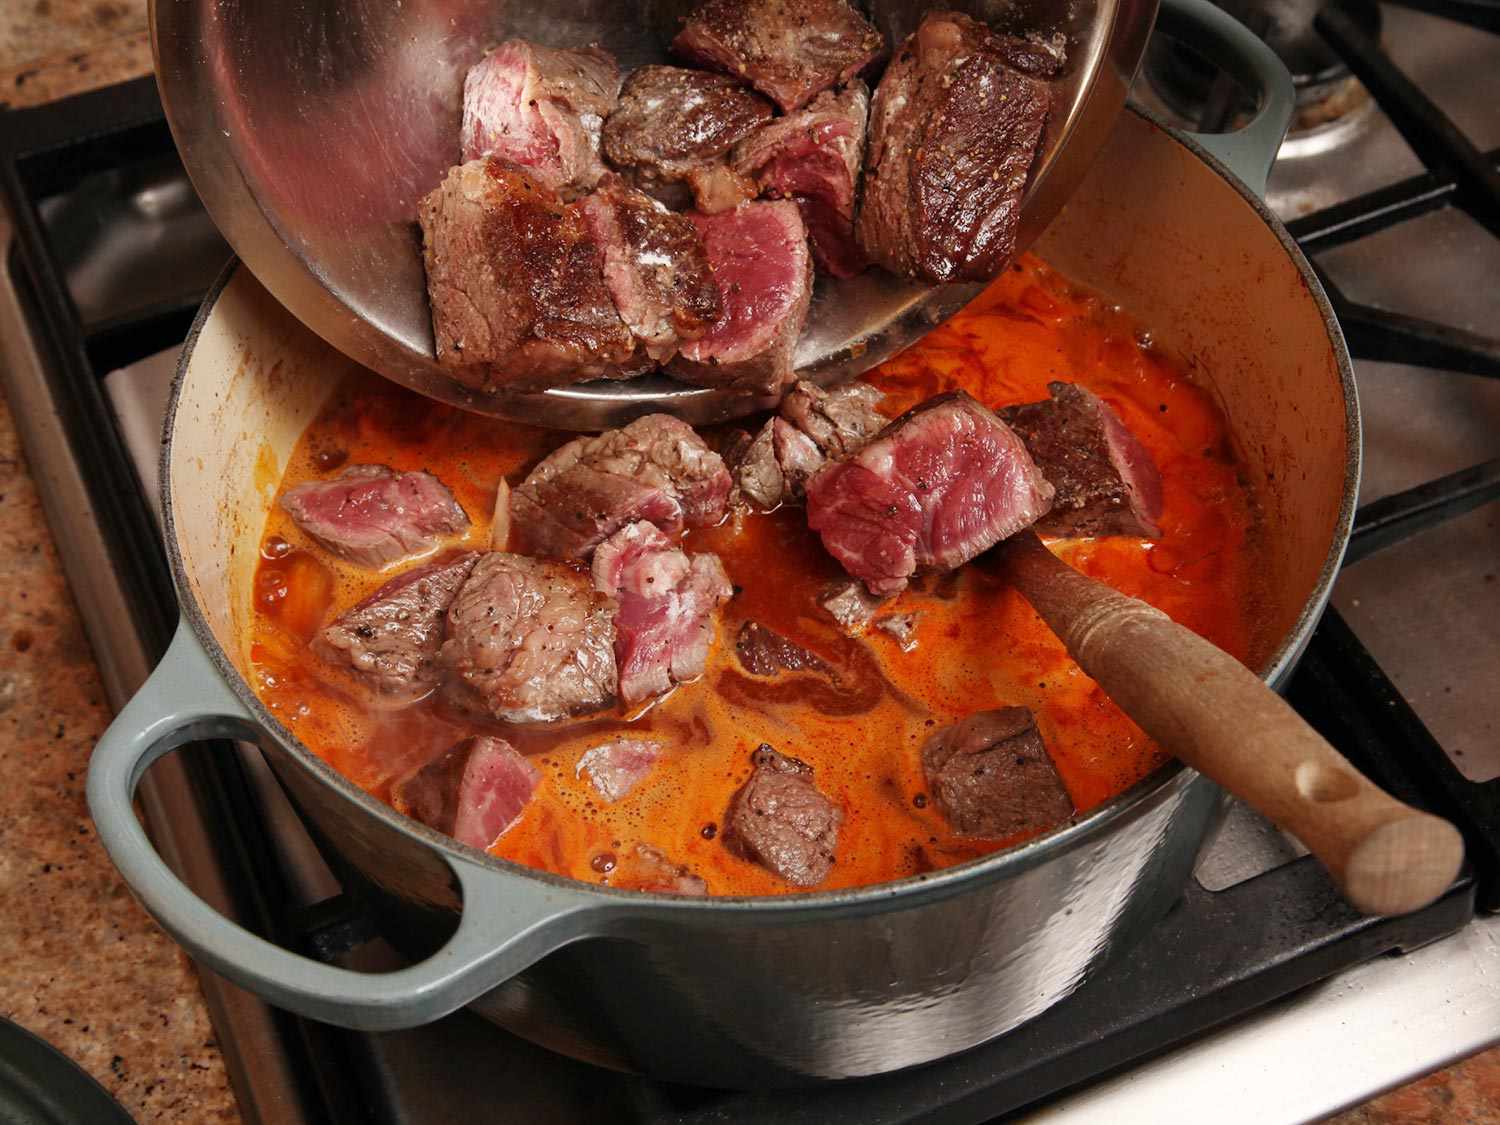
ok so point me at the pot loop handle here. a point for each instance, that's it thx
(1250, 151)
(508, 923)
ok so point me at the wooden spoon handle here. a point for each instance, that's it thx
(1211, 711)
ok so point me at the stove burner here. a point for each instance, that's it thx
(1326, 92)
(1287, 28)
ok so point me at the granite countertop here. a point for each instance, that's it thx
(86, 969)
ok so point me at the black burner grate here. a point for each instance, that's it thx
(1217, 956)
(1483, 14)
(1458, 175)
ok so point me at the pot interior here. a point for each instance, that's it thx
(1221, 285)
(1153, 228)
(250, 380)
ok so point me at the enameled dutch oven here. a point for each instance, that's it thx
(775, 990)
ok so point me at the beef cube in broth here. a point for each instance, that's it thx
(843, 680)
(776, 465)
(674, 129)
(656, 469)
(733, 445)
(765, 653)
(954, 130)
(1106, 481)
(529, 641)
(473, 793)
(814, 157)
(668, 604)
(790, 50)
(390, 640)
(759, 257)
(812, 425)
(615, 768)
(992, 776)
(374, 516)
(780, 821)
(516, 284)
(654, 265)
(942, 483)
(840, 421)
(541, 109)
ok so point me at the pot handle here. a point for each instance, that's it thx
(1248, 152)
(507, 923)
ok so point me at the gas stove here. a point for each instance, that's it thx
(1260, 997)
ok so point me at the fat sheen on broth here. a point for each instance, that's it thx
(978, 644)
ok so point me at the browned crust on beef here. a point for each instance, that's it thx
(992, 776)
(780, 820)
(516, 284)
(954, 130)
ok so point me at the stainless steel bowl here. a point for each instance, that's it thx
(311, 128)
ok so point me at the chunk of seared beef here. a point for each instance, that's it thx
(375, 516)
(541, 109)
(390, 640)
(668, 603)
(758, 254)
(839, 420)
(954, 131)
(850, 604)
(473, 793)
(654, 266)
(516, 284)
(733, 445)
(780, 821)
(813, 156)
(676, 126)
(991, 775)
(655, 469)
(1106, 481)
(937, 486)
(529, 641)
(790, 50)
(643, 868)
(617, 767)
(765, 653)
(776, 466)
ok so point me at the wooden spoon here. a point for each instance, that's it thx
(1216, 715)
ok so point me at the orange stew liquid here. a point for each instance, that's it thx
(979, 645)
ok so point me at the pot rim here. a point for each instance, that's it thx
(1122, 808)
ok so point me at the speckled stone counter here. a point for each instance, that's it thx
(52, 48)
(85, 968)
